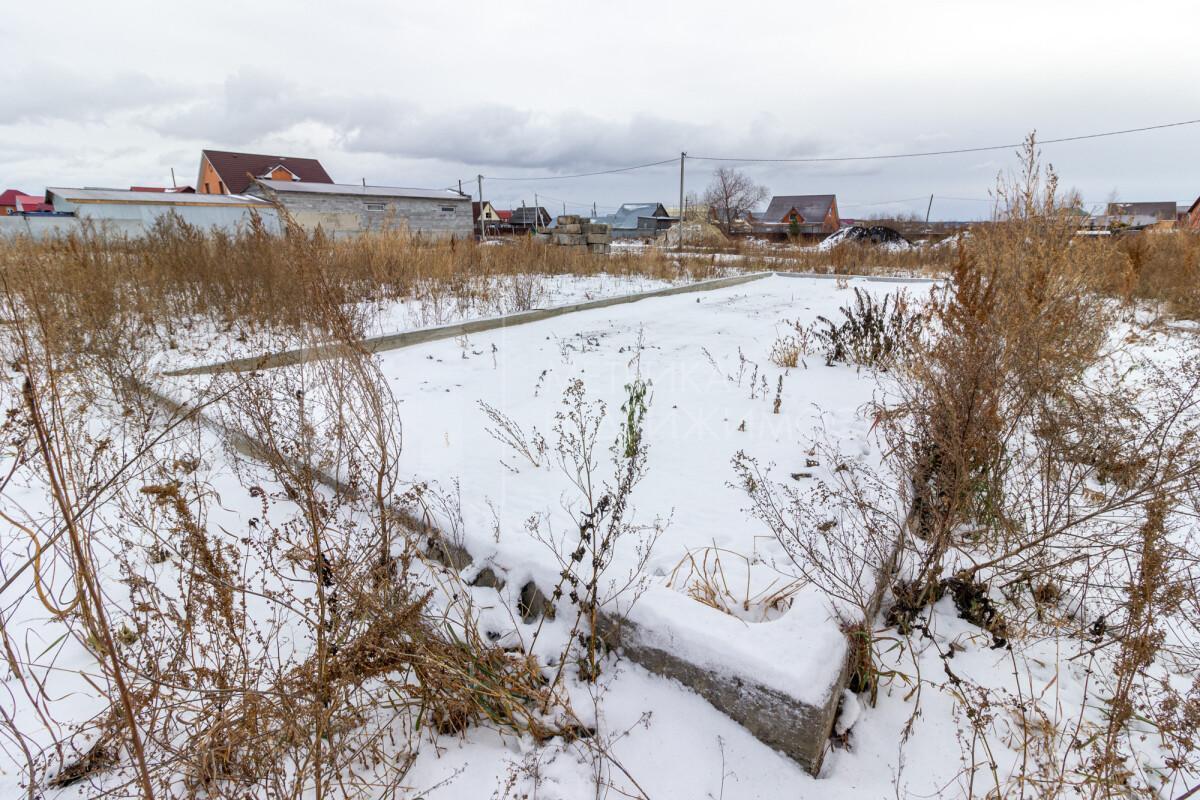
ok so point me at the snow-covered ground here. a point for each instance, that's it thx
(431, 304)
(713, 392)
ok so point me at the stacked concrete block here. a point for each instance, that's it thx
(574, 231)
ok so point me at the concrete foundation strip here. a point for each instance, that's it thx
(394, 341)
(796, 728)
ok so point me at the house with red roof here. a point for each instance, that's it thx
(29, 202)
(224, 172)
(8, 201)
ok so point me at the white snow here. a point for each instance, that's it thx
(707, 357)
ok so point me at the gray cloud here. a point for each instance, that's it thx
(253, 105)
(425, 95)
(50, 94)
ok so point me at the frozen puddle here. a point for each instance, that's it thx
(744, 633)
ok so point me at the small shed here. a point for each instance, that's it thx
(342, 209)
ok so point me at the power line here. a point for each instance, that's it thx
(832, 159)
(823, 159)
(884, 202)
(585, 174)
(576, 202)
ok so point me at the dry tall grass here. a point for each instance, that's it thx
(1046, 475)
(1012, 452)
(96, 292)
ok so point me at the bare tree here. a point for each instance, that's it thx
(731, 195)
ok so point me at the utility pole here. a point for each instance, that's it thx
(594, 214)
(174, 185)
(682, 159)
(927, 210)
(460, 185)
(536, 212)
(482, 225)
(564, 208)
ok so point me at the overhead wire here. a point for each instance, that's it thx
(1059, 140)
(824, 159)
(833, 159)
(582, 174)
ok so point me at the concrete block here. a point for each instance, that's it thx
(599, 249)
(713, 654)
(569, 228)
(599, 238)
(488, 578)
(569, 238)
(533, 605)
(569, 219)
(597, 227)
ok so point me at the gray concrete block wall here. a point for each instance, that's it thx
(342, 215)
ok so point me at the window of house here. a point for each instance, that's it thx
(448, 209)
(376, 206)
(207, 190)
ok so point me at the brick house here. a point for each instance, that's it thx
(1191, 217)
(223, 172)
(8, 201)
(811, 214)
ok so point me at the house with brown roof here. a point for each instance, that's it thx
(807, 214)
(224, 172)
(491, 217)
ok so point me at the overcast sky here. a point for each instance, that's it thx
(408, 94)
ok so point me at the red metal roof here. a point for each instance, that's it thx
(171, 189)
(505, 216)
(31, 202)
(236, 169)
(9, 197)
